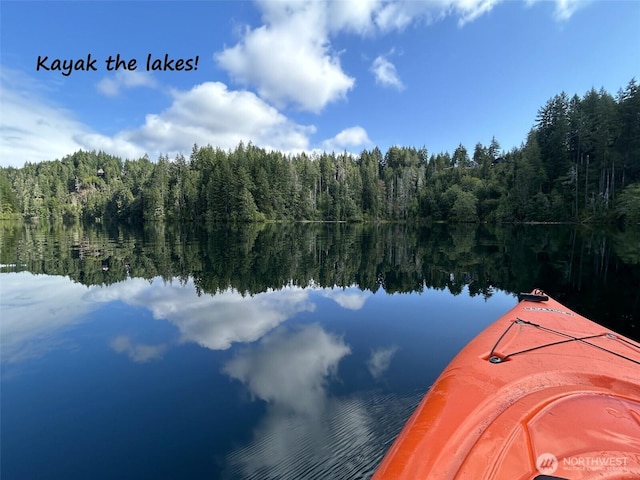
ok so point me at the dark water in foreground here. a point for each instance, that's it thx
(282, 351)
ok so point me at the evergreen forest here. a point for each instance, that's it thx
(579, 163)
(588, 269)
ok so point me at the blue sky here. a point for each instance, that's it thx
(298, 75)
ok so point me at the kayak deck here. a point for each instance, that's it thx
(542, 391)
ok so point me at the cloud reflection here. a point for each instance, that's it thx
(380, 360)
(306, 430)
(35, 309)
(351, 299)
(212, 321)
(342, 439)
(138, 352)
(290, 368)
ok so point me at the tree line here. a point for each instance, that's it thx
(589, 269)
(580, 162)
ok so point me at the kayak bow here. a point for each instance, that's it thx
(542, 393)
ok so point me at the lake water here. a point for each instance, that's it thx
(266, 352)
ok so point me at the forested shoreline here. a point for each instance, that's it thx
(579, 163)
(585, 266)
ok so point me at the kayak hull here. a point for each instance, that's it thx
(541, 391)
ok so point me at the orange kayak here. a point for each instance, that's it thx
(543, 393)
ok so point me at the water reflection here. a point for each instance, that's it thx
(289, 369)
(290, 366)
(307, 433)
(137, 352)
(212, 321)
(343, 441)
(352, 299)
(280, 352)
(380, 360)
(34, 308)
(593, 271)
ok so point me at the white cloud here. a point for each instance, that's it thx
(33, 129)
(397, 15)
(385, 73)
(112, 86)
(349, 137)
(564, 9)
(356, 17)
(117, 145)
(209, 113)
(469, 10)
(289, 59)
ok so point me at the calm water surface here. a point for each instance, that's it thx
(272, 352)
